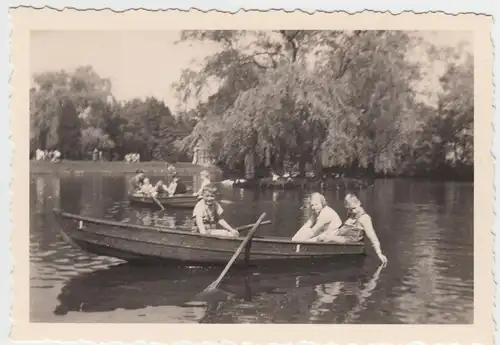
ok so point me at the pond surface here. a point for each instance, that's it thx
(426, 231)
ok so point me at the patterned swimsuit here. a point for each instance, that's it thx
(352, 230)
(210, 216)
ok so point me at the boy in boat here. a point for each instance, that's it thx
(208, 214)
(176, 187)
(136, 181)
(323, 218)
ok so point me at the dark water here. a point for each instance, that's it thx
(426, 231)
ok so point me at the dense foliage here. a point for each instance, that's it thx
(329, 98)
(77, 113)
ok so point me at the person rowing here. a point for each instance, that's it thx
(357, 225)
(323, 218)
(160, 188)
(136, 181)
(208, 213)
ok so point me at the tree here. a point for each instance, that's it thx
(447, 139)
(55, 97)
(150, 129)
(68, 131)
(304, 95)
(95, 138)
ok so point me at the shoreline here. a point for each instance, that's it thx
(160, 167)
(107, 167)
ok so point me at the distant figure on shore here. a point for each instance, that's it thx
(56, 156)
(132, 158)
(208, 213)
(323, 219)
(137, 181)
(176, 187)
(40, 155)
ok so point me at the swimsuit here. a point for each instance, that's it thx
(352, 230)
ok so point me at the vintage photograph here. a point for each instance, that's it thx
(206, 177)
(240, 176)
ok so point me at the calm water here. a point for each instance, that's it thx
(426, 231)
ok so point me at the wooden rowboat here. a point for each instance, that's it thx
(145, 244)
(181, 200)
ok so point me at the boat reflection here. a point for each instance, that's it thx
(254, 294)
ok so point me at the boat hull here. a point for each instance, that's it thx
(143, 244)
(181, 201)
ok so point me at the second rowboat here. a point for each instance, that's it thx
(181, 200)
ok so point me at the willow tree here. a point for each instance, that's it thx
(60, 92)
(447, 139)
(378, 115)
(456, 109)
(302, 95)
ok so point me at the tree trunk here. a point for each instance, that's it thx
(302, 166)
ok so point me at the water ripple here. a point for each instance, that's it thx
(426, 231)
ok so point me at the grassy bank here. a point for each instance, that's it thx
(79, 167)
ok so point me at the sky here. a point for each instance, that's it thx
(144, 63)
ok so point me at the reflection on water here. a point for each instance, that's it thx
(425, 229)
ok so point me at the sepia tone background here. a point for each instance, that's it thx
(25, 20)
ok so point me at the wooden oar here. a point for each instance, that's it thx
(249, 226)
(243, 244)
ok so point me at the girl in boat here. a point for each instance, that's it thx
(323, 218)
(357, 225)
(205, 181)
(208, 214)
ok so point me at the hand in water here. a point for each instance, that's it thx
(383, 259)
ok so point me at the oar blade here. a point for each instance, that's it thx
(213, 287)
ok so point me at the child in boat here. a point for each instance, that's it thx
(208, 214)
(176, 187)
(323, 219)
(205, 180)
(147, 188)
(357, 225)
